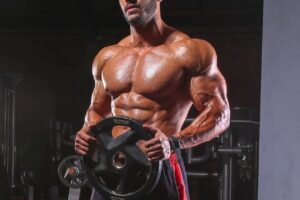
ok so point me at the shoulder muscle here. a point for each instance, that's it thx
(196, 55)
(103, 56)
(206, 54)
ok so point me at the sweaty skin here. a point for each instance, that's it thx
(154, 76)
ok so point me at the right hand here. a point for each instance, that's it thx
(157, 148)
(84, 142)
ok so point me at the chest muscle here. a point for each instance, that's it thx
(146, 73)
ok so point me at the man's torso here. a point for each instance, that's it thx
(150, 84)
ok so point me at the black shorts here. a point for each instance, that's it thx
(173, 181)
(172, 184)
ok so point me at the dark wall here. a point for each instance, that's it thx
(279, 152)
(239, 56)
(56, 85)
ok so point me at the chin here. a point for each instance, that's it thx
(135, 21)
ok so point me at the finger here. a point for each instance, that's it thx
(152, 142)
(155, 154)
(156, 147)
(87, 137)
(141, 142)
(157, 158)
(80, 152)
(83, 148)
(86, 130)
(80, 141)
(161, 136)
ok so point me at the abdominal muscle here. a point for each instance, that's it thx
(167, 115)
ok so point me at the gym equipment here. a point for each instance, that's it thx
(28, 183)
(71, 172)
(233, 155)
(119, 169)
(8, 147)
(232, 159)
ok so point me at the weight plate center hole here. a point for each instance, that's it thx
(119, 160)
(73, 171)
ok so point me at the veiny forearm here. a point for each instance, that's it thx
(211, 122)
(92, 117)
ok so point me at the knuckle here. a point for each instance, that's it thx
(82, 132)
(79, 132)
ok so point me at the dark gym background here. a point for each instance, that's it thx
(50, 45)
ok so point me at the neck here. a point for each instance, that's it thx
(150, 34)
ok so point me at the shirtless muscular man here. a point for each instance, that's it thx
(154, 76)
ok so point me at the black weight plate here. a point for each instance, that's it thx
(111, 181)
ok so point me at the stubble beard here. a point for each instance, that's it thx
(145, 17)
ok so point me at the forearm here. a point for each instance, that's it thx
(208, 125)
(93, 116)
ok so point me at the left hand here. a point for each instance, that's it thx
(158, 148)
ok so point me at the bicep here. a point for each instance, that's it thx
(209, 90)
(207, 85)
(100, 101)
